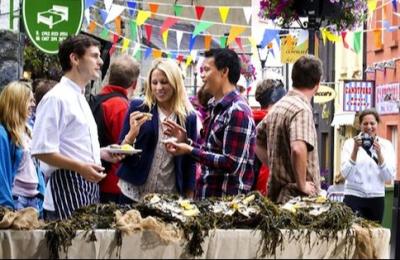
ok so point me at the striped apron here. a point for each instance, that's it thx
(71, 191)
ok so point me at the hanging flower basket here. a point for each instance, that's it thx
(336, 15)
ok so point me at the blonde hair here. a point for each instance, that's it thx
(180, 102)
(14, 101)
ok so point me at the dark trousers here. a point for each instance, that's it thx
(368, 208)
(107, 197)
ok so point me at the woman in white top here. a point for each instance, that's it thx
(368, 161)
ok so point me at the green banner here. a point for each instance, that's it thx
(48, 22)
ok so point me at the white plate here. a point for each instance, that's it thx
(129, 152)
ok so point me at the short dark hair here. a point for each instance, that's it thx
(124, 70)
(226, 58)
(269, 91)
(77, 44)
(307, 72)
(41, 87)
(369, 111)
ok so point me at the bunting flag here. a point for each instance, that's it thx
(133, 29)
(142, 17)
(223, 12)
(153, 9)
(377, 38)
(132, 7)
(117, 23)
(92, 27)
(388, 27)
(179, 35)
(371, 4)
(188, 60)
(165, 38)
(138, 55)
(178, 9)
(179, 58)
(323, 33)
(234, 32)
(201, 27)
(222, 41)
(148, 52)
(357, 42)
(345, 44)
(104, 34)
(103, 15)
(107, 4)
(239, 43)
(149, 29)
(192, 42)
(115, 11)
(394, 4)
(199, 11)
(168, 23)
(247, 13)
(89, 3)
(330, 36)
(125, 44)
(173, 54)
(136, 50)
(157, 53)
(269, 35)
(113, 47)
(207, 42)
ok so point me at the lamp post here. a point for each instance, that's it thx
(262, 56)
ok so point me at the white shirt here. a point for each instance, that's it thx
(65, 124)
(365, 178)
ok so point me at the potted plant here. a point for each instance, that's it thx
(337, 15)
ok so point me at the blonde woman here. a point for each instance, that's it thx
(21, 182)
(154, 169)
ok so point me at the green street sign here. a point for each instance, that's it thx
(48, 22)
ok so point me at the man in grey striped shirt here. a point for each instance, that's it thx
(289, 136)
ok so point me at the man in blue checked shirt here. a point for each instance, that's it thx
(227, 156)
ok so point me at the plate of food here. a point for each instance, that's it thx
(123, 149)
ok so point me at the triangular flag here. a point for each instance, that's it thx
(188, 60)
(394, 3)
(239, 43)
(323, 33)
(269, 35)
(149, 29)
(234, 32)
(115, 11)
(87, 15)
(371, 4)
(115, 41)
(179, 35)
(165, 38)
(357, 42)
(135, 50)
(92, 27)
(132, 7)
(345, 44)
(117, 23)
(223, 12)
(377, 38)
(168, 23)
(142, 17)
(178, 10)
(89, 3)
(133, 29)
(138, 54)
(388, 27)
(153, 8)
(222, 41)
(104, 34)
(103, 15)
(192, 42)
(199, 11)
(332, 37)
(107, 4)
(115, 38)
(247, 13)
(173, 54)
(180, 58)
(157, 53)
(207, 42)
(125, 44)
(112, 49)
(147, 52)
(201, 27)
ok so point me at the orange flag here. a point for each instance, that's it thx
(92, 26)
(378, 38)
(117, 22)
(157, 53)
(153, 9)
(207, 42)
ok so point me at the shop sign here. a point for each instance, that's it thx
(358, 95)
(387, 98)
(48, 22)
(324, 94)
(292, 48)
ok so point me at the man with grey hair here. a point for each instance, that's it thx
(109, 111)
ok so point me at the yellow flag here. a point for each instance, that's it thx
(125, 44)
(165, 37)
(142, 17)
(188, 60)
(235, 32)
(223, 12)
(323, 33)
(371, 5)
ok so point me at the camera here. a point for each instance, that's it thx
(366, 141)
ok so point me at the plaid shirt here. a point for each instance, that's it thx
(227, 157)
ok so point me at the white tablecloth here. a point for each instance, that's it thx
(219, 244)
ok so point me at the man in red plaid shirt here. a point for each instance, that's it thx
(227, 156)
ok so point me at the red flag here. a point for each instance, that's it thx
(199, 11)
(148, 29)
(345, 44)
(239, 43)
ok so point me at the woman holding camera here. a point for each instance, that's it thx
(367, 162)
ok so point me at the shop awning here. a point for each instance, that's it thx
(343, 118)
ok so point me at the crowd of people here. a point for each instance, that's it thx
(54, 155)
